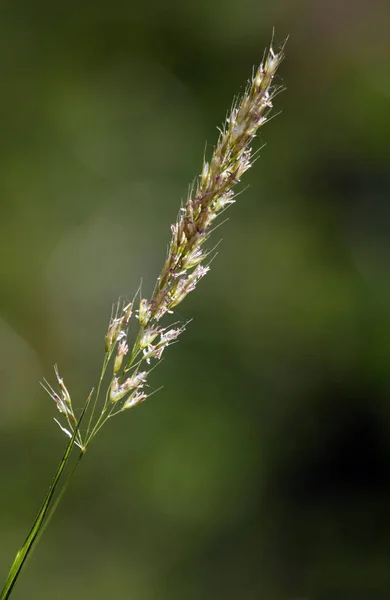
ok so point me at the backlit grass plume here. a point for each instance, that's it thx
(126, 365)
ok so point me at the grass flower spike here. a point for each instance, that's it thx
(185, 264)
(126, 365)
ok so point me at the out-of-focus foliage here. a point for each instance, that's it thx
(261, 470)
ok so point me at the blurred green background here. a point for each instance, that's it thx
(261, 470)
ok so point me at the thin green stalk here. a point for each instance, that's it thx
(58, 499)
(102, 374)
(40, 520)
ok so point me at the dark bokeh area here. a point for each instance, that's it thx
(261, 470)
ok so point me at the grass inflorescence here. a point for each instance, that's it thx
(126, 366)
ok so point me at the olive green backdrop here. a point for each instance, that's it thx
(261, 470)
